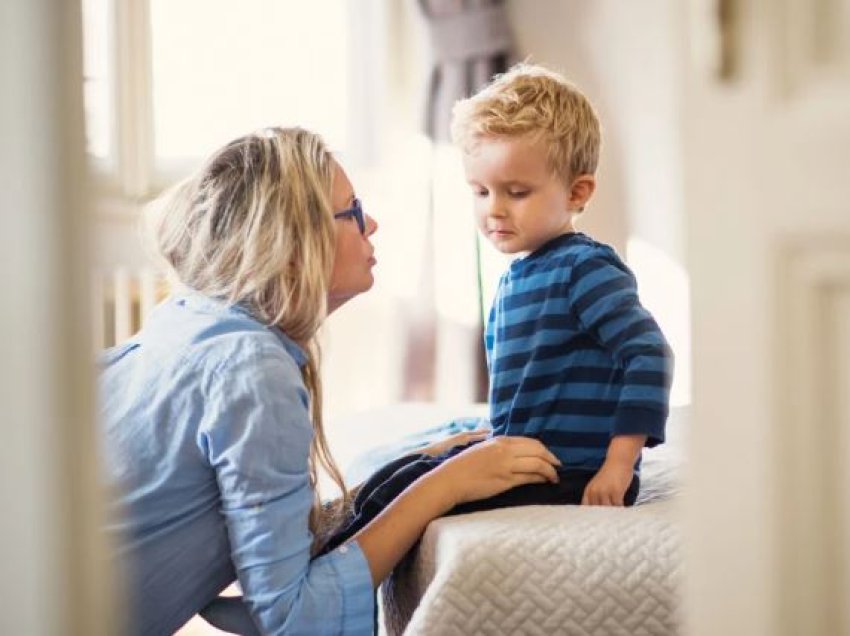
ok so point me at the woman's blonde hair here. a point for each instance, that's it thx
(254, 226)
(533, 101)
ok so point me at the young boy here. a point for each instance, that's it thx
(574, 358)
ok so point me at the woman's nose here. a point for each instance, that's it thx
(371, 225)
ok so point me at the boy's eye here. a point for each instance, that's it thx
(479, 192)
(518, 194)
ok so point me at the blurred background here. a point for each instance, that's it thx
(166, 83)
(722, 182)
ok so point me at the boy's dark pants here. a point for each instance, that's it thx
(390, 480)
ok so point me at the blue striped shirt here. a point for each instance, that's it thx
(574, 358)
(206, 433)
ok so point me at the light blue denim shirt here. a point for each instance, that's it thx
(206, 436)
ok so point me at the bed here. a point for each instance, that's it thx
(537, 569)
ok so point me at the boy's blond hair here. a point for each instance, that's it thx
(532, 101)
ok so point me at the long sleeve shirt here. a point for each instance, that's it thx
(206, 437)
(574, 358)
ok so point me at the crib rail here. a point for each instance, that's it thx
(122, 299)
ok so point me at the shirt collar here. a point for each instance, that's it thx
(198, 301)
(549, 246)
(555, 243)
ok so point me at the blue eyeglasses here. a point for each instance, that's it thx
(355, 212)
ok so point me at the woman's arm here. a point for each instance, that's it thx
(481, 471)
(434, 449)
(258, 445)
(257, 440)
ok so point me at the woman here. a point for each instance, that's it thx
(212, 413)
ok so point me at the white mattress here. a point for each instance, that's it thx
(544, 569)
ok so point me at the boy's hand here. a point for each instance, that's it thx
(608, 487)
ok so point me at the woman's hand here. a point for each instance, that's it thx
(458, 439)
(480, 471)
(494, 466)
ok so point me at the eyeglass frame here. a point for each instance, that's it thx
(354, 212)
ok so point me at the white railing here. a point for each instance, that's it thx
(121, 301)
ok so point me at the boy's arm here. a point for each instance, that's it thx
(604, 298)
(624, 450)
(605, 302)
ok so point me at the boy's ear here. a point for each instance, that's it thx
(582, 188)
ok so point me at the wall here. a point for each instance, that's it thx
(624, 56)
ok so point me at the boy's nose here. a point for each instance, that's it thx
(496, 208)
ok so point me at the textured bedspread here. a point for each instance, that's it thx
(535, 569)
(542, 570)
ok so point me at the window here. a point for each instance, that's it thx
(168, 82)
(97, 84)
(224, 67)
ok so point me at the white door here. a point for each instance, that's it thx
(52, 571)
(767, 200)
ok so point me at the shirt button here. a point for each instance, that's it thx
(343, 549)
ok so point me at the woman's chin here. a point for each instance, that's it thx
(338, 298)
(366, 283)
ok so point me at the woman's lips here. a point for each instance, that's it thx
(501, 233)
